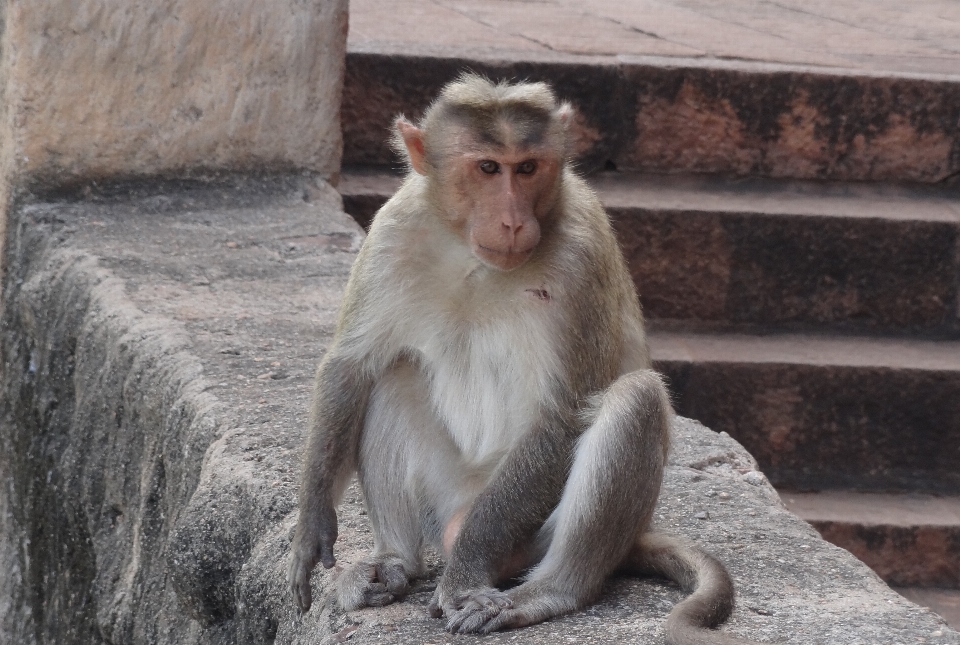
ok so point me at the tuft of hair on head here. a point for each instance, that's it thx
(485, 107)
(472, 91)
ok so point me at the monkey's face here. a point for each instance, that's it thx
(497, 199)
(492, 189)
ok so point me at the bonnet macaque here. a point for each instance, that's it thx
(490, 383)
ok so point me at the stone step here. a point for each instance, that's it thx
(945, 602)
(909, 540)
(721, 254)
(826, 412)
(742, 88)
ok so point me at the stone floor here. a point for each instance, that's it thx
(874, 36)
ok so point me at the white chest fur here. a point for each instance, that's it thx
(489, 378)
(486, 340)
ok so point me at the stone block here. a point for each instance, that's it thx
(100, 89)
(688, 115)
(96, 90)
(826, 412)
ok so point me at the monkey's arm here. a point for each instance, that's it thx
(340, 399)
(508, 513)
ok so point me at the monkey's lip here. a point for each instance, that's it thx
(487, 249)
(503, 260)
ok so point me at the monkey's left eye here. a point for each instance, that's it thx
(527, 168)
(490, 167)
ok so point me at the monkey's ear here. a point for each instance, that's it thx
(567, 115)
(413, 140)
(575, 138)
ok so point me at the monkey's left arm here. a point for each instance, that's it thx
(509, 512)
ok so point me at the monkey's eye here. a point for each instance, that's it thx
(490, 167)
(527, 167)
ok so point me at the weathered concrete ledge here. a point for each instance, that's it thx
(669, 114)
(159, 344)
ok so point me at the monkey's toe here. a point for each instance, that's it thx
(372, 584)
(476, 609)
(472, 618)
(394, 578)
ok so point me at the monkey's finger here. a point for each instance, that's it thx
(302, 592)
(378, 599)
(504, 620)
(395, 578)
(458, 617)
(471, 618)
(326, 555)
(434, 608)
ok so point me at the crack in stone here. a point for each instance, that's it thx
(856, 26)
(479, 21)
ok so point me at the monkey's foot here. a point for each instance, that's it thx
(468, 612)
(528, 604)
(374, 583)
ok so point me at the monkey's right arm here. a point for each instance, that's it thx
(340, 397)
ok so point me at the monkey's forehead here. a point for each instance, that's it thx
(502, 138)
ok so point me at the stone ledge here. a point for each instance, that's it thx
(687, 115)
(159, 345)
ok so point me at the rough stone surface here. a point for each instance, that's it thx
(909, 540)
(100, 89)
(672, 116)
(158, 346)
(96, 90)
(826, 412)
(945, 602)
(870, 35)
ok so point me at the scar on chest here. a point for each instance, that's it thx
(539, 294)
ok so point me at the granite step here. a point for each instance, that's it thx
(910, 540)
(713, 254)
(745, 88)
(826, 412)
(945, 602)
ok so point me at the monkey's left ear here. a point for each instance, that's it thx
(573, 134)
(413, 140)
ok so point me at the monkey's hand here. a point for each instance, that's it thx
(312, 543)
(467, 612)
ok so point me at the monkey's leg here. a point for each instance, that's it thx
(409, 470)
(608, 500)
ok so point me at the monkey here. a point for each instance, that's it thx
(490, 383)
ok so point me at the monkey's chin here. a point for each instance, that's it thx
(502, 260)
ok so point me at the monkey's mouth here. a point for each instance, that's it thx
(505, 260)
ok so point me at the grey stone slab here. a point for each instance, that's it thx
(158, 344)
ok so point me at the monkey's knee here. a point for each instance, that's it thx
(637, 407)
(642, 390)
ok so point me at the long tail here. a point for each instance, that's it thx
(699, 574)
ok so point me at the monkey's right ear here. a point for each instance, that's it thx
(413, 140)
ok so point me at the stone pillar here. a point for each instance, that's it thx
(93, 90)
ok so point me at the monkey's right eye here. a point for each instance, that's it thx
(490, 167)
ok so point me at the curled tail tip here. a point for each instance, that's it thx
(704, 577)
